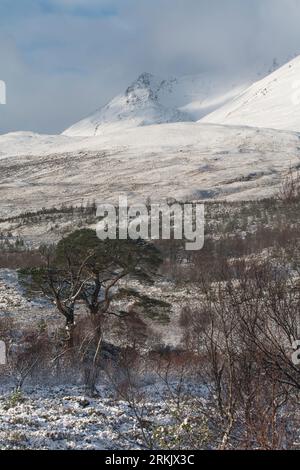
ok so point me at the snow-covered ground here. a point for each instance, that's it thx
(11, 297)
(62, 418)
(15, 305)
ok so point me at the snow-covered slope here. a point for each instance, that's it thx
(198, 95)
(150, 100)
(179, 160)
(30, 143)
(273, 102)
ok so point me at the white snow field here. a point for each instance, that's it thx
(273, 102)
(180, 160)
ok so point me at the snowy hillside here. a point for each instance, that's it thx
(150, 100)
(273, 102)
(198, 95)
(180, 160)
(15, 143)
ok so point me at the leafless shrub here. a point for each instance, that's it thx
(126, 378)
(242, 333)
(28, 354)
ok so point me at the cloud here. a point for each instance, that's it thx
(80, 3)
(80, 7)
(62, 59)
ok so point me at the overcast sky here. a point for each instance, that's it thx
(62, 59)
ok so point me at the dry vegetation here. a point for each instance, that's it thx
(231, 382)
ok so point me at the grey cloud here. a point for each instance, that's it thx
(60, 67)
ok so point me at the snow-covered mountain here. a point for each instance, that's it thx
(273, 102)
(138, 106)
(150, 100)
(116, 151)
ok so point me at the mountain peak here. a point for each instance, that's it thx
(144, 87)
(145, 79)
(138, 106)
(152, 100)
